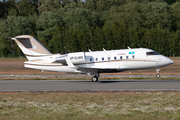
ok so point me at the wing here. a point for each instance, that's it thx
(88, 70)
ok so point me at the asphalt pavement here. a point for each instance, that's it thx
(89, 86)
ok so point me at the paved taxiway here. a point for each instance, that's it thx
(88, 86)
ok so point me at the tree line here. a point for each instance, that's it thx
(64, 26)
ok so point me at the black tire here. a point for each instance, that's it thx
(94, 79)
(158, 75)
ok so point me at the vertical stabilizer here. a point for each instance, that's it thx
(31, 47)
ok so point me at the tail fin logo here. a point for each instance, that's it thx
(34, 47)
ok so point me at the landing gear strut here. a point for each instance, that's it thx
(158, 75)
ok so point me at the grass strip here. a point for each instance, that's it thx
(88, 106)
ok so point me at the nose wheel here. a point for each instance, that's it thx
(158, 75)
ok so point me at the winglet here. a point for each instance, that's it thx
(70, 63)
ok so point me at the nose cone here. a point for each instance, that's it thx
(169, 61)
(164, 61)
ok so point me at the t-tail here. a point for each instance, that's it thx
(32, 49)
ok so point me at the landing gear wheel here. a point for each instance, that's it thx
(158, 75)
(94, 79)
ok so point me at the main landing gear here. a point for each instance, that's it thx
(95, 78)
(158, 75)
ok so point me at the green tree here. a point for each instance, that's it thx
(158, 13)
(49, 5)
(177, 42)
(81, 18)
(11, 27)
(47, 24)
(170, 2)
(99, 39)
(72, 25)
(5, 7)
(5, 47)
(25, 7)
(32, 21)
(131, 13)
(175, 11)
(98, 5)
(14, 26)
(12, 12)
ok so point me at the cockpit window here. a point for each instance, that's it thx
(152, 53)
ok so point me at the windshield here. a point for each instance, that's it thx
(152, 53)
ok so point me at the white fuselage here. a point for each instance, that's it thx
(101, 61)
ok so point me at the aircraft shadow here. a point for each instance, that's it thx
(125, 81)
(101, 81)
(129, 81)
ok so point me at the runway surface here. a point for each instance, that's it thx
(89, 86)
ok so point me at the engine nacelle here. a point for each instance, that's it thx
(77, 58)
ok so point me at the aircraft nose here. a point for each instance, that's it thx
(165, 61)
(169, 61)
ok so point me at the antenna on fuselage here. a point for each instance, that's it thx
(128, 47)
(104, 49)
(89, 50)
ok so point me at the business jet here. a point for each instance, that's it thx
(93, 62)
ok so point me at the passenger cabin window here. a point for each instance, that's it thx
(127, 57)
(91, 59)
(133, 57)
(114, 58)
(109, 58)
(152, 53)
(121, 57)
(96, 59)
(102, 59)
